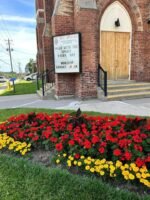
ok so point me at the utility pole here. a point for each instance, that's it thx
(9, 49)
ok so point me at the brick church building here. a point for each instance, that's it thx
(115, 34)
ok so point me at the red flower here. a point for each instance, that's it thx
(101, 150)
(64, 137)
(103, 144)
(35, 138)
(138, 148)
(95, 139)
(148, 159)
(137, 139)
(87, 144)
(71, 142)
(140, 162)
(128, 155)
(117, 152)
(77, 156)
(59, 146)
(47, 134)
(53, 139)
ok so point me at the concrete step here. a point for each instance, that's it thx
(48, 94)
(128, 90)
(129, 85)
(120, 82)
(123, 96)
(124, 89)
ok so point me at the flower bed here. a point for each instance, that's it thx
(7, 142)
(120, 139)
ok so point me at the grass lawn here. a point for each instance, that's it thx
(21, 180)
(23, 87)
(6, 113)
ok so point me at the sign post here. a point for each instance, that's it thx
(13, 82)
(67, 50)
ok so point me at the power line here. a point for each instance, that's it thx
(9, 49)
(2, 46)
(5, 26)
(2, 36)
(4, 62)
(23, 52)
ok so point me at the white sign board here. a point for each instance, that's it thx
(67, 53)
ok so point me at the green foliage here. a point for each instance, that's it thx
(30, 66)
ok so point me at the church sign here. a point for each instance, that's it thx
(67, 53)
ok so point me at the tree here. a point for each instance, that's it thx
(31, 66)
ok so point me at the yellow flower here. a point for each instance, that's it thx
(79, 163)
(64, 155)
(131, 177)
(126, 166)
(102, 173)
(71, 158)
(138, 175)
(118, 163)
(97, 162)
(135, 169)
(57, 161)
(112, 168)
(103, 161)
(125, 173)
(106, 166)
(92, 170)
(69, 163)
(75, 162)
(133, 165)
(82, 157)
(144, 175)
(87, 167)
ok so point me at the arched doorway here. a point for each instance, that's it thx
(115, 42)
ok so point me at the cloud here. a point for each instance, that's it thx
(19, 19)
(27, 2)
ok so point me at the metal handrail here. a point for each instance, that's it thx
(47, 79)
(39, 77)
(102, 79)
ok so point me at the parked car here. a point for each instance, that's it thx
(3, 79)
(30, 77)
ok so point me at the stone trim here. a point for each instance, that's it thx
(40, 20)
(88, 4)
(47, 30)
(134, 10)
(39, 11)
(63, 7)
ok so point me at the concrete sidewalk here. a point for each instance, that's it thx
(139, 107)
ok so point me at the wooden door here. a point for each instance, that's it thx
(108, 53)
(115, 54)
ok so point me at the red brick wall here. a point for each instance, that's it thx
(47, 35)
(65, 83)
(39, 4)
(86, 82)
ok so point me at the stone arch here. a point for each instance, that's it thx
(132, 8)
(119, 38)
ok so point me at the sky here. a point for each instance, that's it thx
(17, 23)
